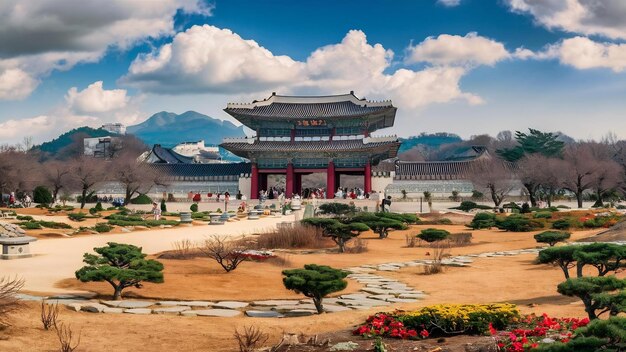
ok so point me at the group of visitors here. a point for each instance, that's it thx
(11, 200)
(219, 197)
(353, 193)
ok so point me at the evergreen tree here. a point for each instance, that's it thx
(316, 282)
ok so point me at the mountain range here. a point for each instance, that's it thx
(168, 129)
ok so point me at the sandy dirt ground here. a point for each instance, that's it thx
(512, 279)
(57, 258)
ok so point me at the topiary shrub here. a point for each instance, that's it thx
(163, 206)
(98, 207)
(339, 209)
(194, 207)
(102, 227)
(469, 205)
(595, 292)
(598, 335)
(483, 221)
(542, 215)
(517, 223)
(76, 216)
(551, 237)
(93, 211)
(433, 235)
(24, 218)
(30, 225)
(42, 195)
(141, 199)
(316, 282)
(562, 224)
(122, 266)
(525, 208)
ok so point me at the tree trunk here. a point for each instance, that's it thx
(118, 293)
(589, 309)
(55, 192)
(127, 198)
(342, 245)
(530, 187)
(579, 269)
(318, 304)
(579, 199)
(565, 271)
(83, 200)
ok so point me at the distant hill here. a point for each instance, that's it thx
(168, 129)
(431, 141)
(66, 139)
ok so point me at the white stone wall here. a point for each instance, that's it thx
(380, 183)
(245, 185)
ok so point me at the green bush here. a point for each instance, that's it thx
(141, 199)
(562, 207)
(42, 195)
(77, 216)
(525, 208)
(24, 218)
(54, 225)
(102, 227)
(483, 221)
(433, 235)
(542, 215)
(93, 211)
(469, 205)
(30, 225)
(163, 206)
(194, 207)
(598, 335)
(562, 224)
(551, 237)
(517, 223)
(99, 207)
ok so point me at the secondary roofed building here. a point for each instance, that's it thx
(300, 135)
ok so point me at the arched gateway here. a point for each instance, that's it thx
(299, 135)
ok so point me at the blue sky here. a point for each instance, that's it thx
(459, 66)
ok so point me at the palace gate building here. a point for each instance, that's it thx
(300, 135)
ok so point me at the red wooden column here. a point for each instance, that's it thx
(330, 180)
(289, 181)
(254, 182)
(297, 184)
(368, 177)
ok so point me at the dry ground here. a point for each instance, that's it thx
(511, 279)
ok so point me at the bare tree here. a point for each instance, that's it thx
(127, 144)
(250, 338)
(495, 176)
(86, 172)
(19, 171)
(550, 171)
(66, 338)
(228, 254)
(528, 172)
(9, 303)
(56, 175)
(134, 176)
(579, 168)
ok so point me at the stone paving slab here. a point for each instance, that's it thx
(110, 310)
(263, 314)
(138, 311)
(225, 313)
(93, 307)
(300, 313)
(230, 305)
(186, 303)
(276, 302)
(176, 310)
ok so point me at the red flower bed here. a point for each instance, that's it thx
(533, 329)
(383, 325)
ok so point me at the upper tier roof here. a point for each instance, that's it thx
(280, 107)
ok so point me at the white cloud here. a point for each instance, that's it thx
(589, 17)
(449, 3)
(38, 36)
(16, 84)
(210, 59)
(95, 99)
(16, 129)
(584, 53)
(446, 49)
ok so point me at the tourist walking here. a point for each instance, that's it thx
(156, 211)
(386, 204)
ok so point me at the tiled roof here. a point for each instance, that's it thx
(199, 170)
(313, 110)
(308, 146)
(433, 170)
(168, 156)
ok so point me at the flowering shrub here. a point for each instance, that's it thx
(440, 320)
(384, 325)
(532, 330)
(257, 256)
(450, 319)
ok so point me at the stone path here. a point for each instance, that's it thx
(378, 291)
